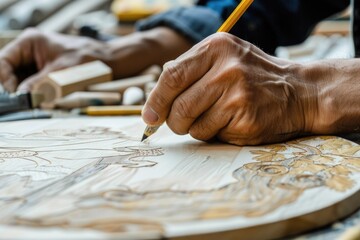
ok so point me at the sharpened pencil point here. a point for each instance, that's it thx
(149, 130)
(144, 137)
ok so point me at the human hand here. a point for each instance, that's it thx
(227, 88)
(34, 54)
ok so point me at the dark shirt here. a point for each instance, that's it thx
(267, 23)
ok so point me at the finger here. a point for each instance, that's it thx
(20, 51)
(193, 102)
(177, 76)
(7, 77)
(28, 83)
(242, 130)
(210, 122)
(10, 84)
(15, 54)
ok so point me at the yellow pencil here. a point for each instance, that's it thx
(225, 27)
(112, 110)
(235, 16)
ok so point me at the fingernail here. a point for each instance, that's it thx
(150, 116)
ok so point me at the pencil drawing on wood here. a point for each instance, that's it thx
(104, 182)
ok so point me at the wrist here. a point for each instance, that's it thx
(338, 95)
(336, 106)
(307, 102)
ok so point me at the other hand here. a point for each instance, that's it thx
(34, 54)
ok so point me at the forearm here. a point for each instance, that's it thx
(338, 93)
(133, 53)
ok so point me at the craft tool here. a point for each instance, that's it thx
(12, 102)
(25, 115)
(225, 27)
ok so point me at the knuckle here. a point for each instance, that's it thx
(201, 132)
(173, 75)
(158, 102)
(226, 139)
(247, 49)
(241, 102)
(32, 33)
(232, 44)
(235, 70)
(250, 127)
(221, 38)
(231, 138)
(249, 133)
(228, 43)
(225, 136)
(198, 135)
(251, 130)
(182, 108)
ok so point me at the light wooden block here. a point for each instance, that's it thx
(149, 75)
(84, 99)
(123, 84)
(61, 83)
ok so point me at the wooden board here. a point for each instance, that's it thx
(91, 178)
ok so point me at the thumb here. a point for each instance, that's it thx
(177, 76)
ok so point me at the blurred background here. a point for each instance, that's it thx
(100, 19)
(105, 19)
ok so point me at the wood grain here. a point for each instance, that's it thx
(171, 187)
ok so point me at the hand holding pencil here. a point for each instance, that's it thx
(228, 89)
(152, 117)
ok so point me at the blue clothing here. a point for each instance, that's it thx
(267, 23)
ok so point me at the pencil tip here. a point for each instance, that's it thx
(144, 137)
